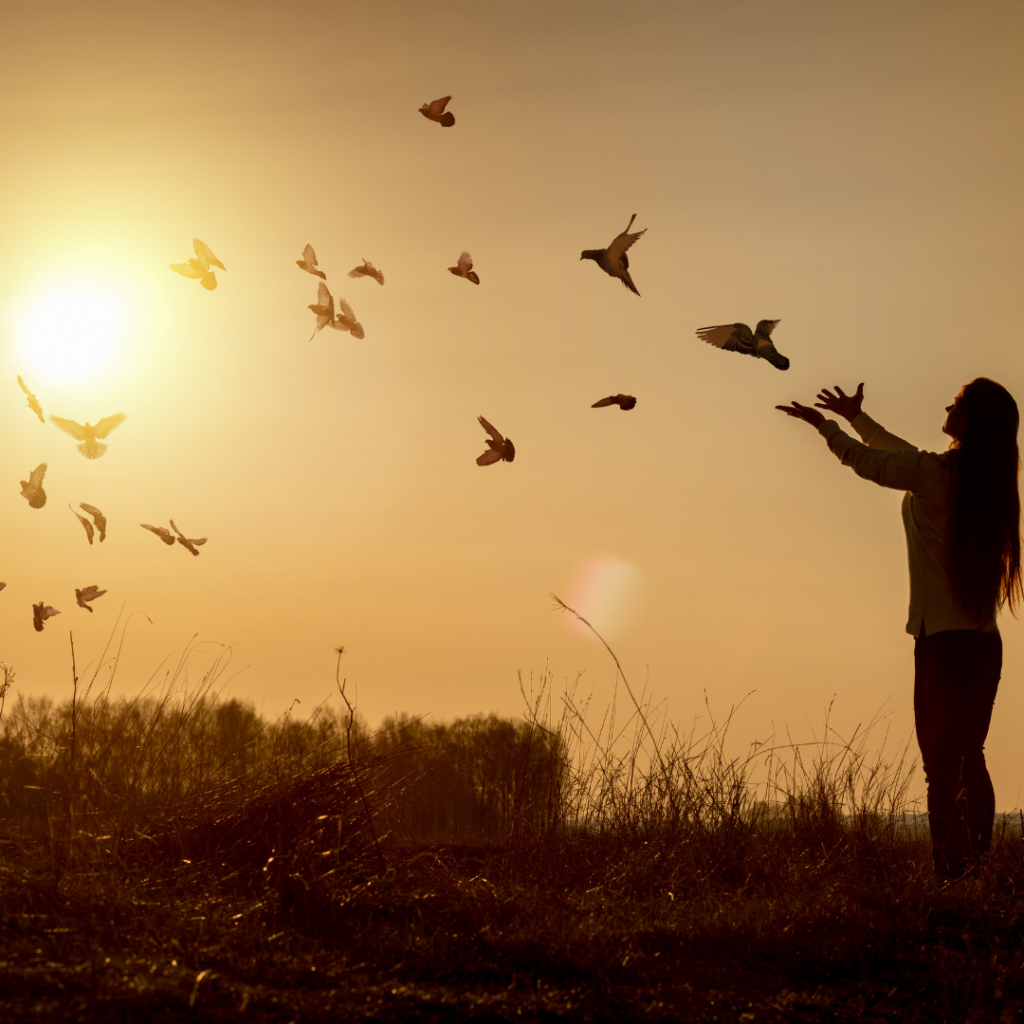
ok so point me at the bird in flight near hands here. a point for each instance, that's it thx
(498, 447)
(199, 267)
(737, 338)
(88, 434)
(464, 268)
(308, 263)
(186, 542)
(624, 402)
(367, 270)
(33, 402)
(435, 111)
(614, 260)
(346, 321)
(32, 488)
(88, 594)
(40, 613)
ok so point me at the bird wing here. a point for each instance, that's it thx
(184, 269)
(768, 326)
(309, 255)
(161, 531)
(98, 518)
(731, 337)
(436, 107)
(498, 439)
(76, 430)
(465, 263)
(109, 423)
(360, 271)
(610, 400)
(35, 478)
(346, 309)
(489, 456)
(205, 254)
(21, 384)
(323, 297)
(623, 241)
(85, 523)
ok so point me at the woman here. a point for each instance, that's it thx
(961, 514)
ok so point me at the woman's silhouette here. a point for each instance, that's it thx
(961, 514)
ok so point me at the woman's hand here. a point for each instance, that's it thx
(803, 412)
(847, 406)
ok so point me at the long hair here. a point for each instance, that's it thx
(986, 501)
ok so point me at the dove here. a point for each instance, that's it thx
(737, 338)
(98, 518)
(498, 447)
(40, 613)
(32, 488)
(464, 268)
(89, 531)
(435, 112)
(367, 270)
(33, 402)
(87, 594)
(624, 402)
(324, 309)
(614, 260)
(308, 262)
(186, 542)
(346, 321)
(87, 434)
(200, 266)
(161, 531)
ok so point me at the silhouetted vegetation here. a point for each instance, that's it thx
(179, 855)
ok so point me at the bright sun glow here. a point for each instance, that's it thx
(71, 333)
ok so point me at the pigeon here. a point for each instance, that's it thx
(367, 270)
(40, 613)
(88, 594)
(464, 268)
(90, 447)
(737, 338)
(614, 260)
(32, 488)
(346, 321)
(200, 266)
(435, 112)
(324, 309)
(308, 262)
(89, 531)
(498, 447)
(33, 402)
(161, 531)
(186, 542)
(624, 402)
(98, 518)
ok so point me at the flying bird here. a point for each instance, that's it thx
(33, 402)
(346, 321)
(87, 434)
(367, 270)
(498, 447)
(737, 338)
(98, 518)
(435, 112)
(88, 594)
(161, 531)
(324, 309)
(40, 613)
(614, 260)
(464, 268)
(89, 531)
(186, 542)
(32, 488)
(624, 402)
(308, 262)
(200, 266)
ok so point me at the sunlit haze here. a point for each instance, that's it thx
(853, 170)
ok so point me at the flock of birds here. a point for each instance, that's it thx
(336, 313)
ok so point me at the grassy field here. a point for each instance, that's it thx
(176, 858)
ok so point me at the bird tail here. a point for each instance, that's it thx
(92, 449)
(472, 276)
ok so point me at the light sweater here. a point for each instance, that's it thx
(890, 461)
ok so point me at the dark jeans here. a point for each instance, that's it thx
(956, 673)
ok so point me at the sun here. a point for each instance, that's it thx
(71, 333)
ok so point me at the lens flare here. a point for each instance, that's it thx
(70, 333)
(608, 592)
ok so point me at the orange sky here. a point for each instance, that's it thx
(853, 169)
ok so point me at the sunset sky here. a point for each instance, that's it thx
(854, 169)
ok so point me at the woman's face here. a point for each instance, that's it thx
(954, 425)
